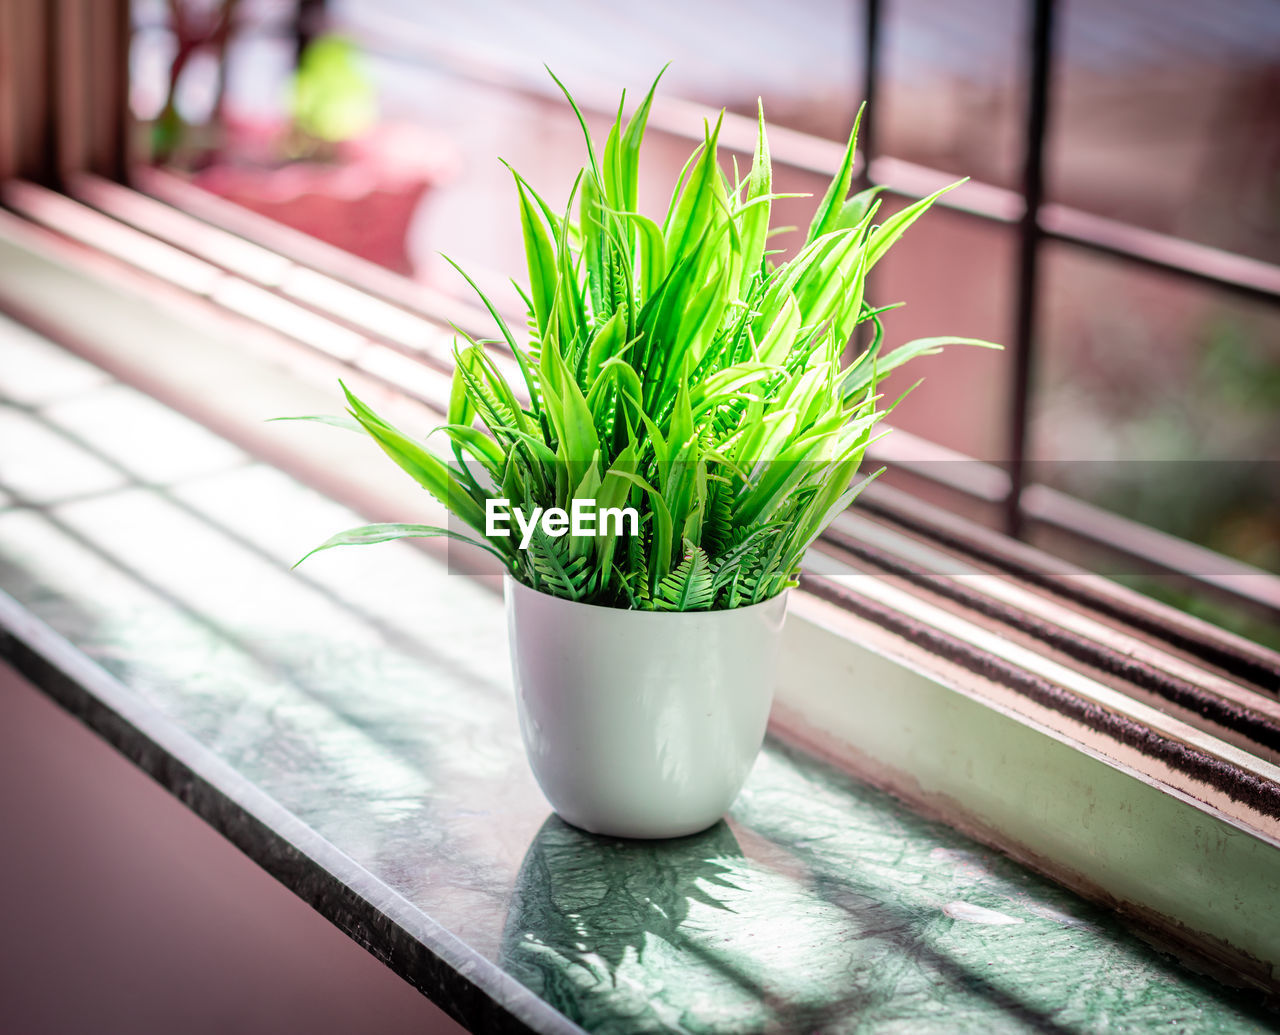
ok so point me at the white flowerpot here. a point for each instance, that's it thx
(641, 723)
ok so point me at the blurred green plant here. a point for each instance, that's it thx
(673, 368)
(331, 97)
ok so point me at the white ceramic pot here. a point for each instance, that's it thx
(641, 723)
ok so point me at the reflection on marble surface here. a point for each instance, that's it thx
(655, 936)
(369, 693)
(823, 906)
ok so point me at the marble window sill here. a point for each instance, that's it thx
(350, 728)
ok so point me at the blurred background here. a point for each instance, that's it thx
(1151, 318)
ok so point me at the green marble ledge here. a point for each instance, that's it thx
(369, 694)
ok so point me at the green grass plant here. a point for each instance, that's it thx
(673, 367)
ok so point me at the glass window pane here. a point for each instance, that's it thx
(803, 60)
(1159, 399)
(1165, 115)
(951, 97)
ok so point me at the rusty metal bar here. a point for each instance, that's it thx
(1039, 68)
(870, 85)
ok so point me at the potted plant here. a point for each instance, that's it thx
(681, 383)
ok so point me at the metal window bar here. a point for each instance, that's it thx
(1039, 68)
(870, 86)
(1039, 61)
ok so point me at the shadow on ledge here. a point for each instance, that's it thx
(648, 935)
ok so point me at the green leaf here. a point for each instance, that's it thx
(568, 323)
(689, 587)
(696, 206)
(461, 408)
(539, 255)
(594, 246)
(652, 254)
(613, 492)
(884, 236)
(478, 444)
(429, 472)
(716, 387)
(826, 218)
(755, 217)
(367, 534)
(660, 549)
(497, 317)
(858, 208)
(779, 331)
(614, 189)
(861, 373)
(582, 122)
(558, 573)
(629, 153)
(346, 423)
(487, 391)
(530, 380)
(826, 505)
(605, 344)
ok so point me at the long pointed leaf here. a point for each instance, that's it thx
(367, 534)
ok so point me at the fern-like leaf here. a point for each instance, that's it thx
(688, 587)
